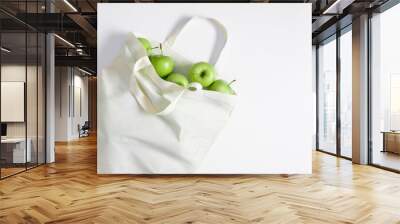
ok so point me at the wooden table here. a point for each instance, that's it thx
(391, 141)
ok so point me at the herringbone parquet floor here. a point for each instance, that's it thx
(70, 191)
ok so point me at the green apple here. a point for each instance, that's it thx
(222, 86)
(202, 73)
(163, 65)
(178, 79)
(146, 44)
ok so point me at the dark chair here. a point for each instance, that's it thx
(84, 130)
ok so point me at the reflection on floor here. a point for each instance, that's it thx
(386, 159)
(70, 191)
(10, 169)
(346, 152)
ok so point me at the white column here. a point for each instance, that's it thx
(50, 100)
(50, 92)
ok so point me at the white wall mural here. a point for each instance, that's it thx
(204, 88)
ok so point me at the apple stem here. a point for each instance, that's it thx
(161, 49)
(231, 82)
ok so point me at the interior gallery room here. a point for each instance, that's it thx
(147, 111)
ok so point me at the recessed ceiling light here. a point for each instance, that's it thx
(84, 71)
(5, 50)
(70, 5)
(338, 6)
(64, 40)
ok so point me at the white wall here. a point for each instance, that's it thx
(67, 116)
(62, 81)
(79, 117)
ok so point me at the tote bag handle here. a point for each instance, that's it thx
(170, 40)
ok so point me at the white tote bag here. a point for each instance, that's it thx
(148, 125)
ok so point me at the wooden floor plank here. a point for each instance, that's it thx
(70, 191)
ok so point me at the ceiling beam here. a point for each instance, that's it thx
(83, 23)
(81, 61)
(320, 22)
(332, 29)
(49, 22)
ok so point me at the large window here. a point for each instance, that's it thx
(334, 60)
(385, 89)
(327, 96)
(346, 93)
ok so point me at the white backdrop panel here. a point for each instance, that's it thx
(268, 52)
(12, 101)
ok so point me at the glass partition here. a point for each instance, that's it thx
(22, 101)
(32, 95)
(41, 97)
(14, 155)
